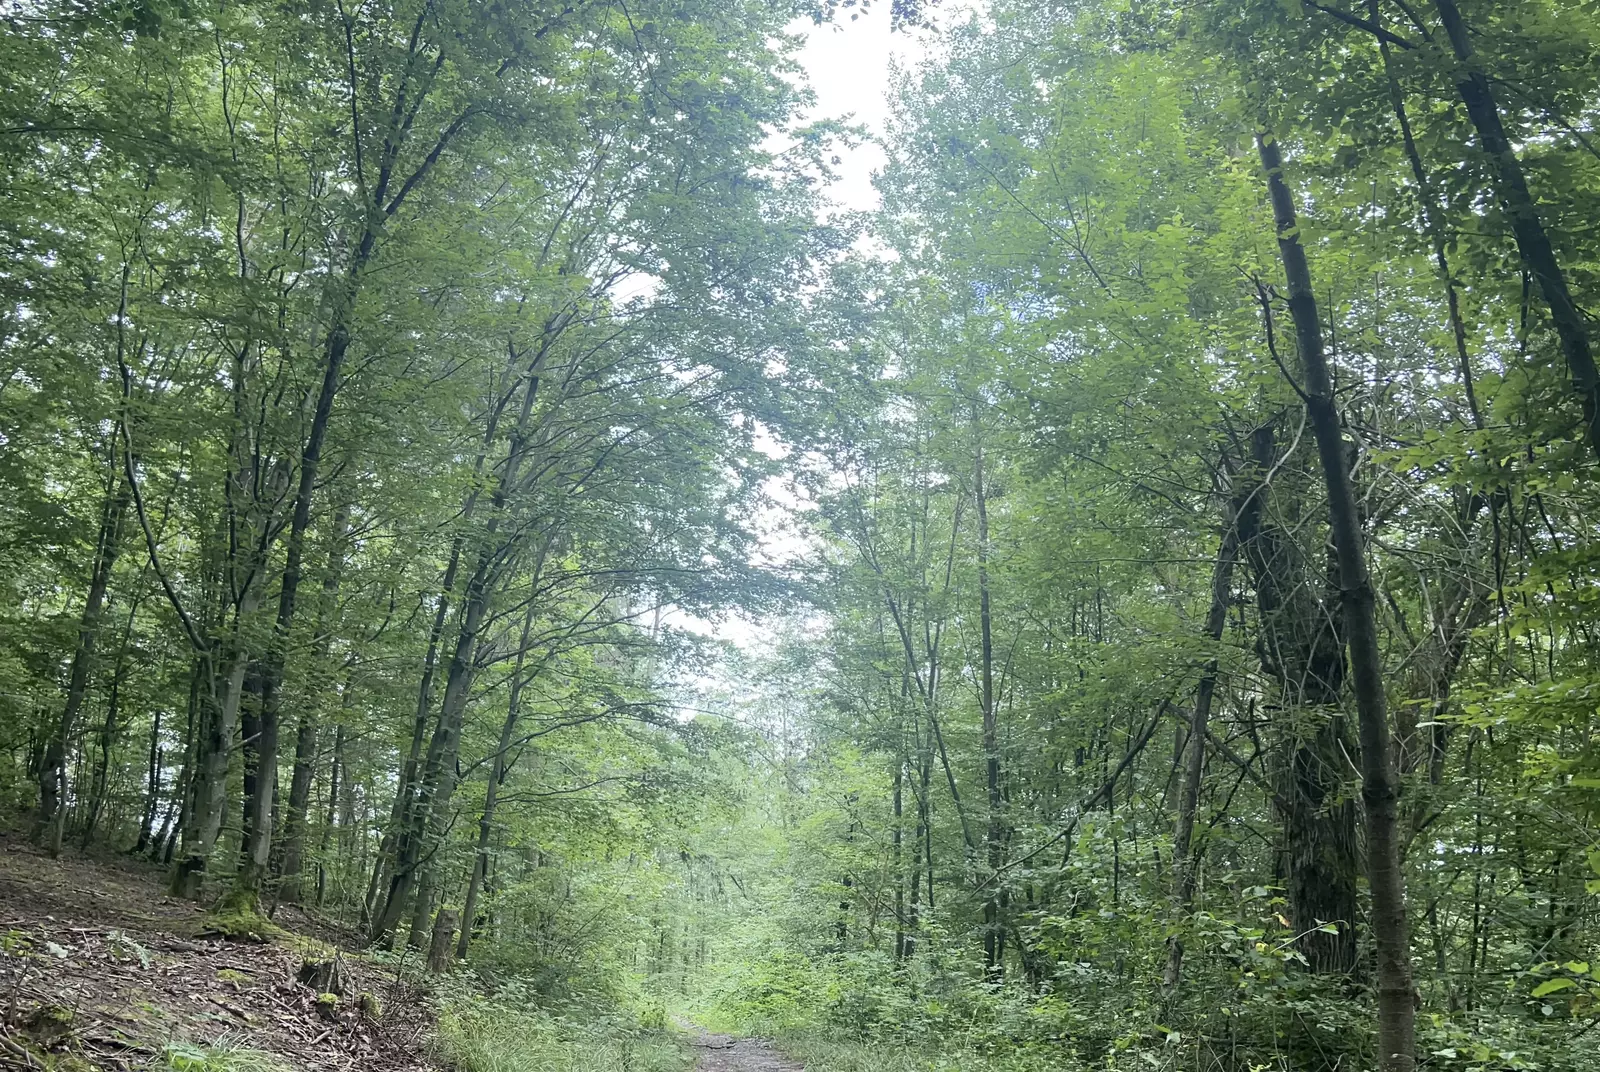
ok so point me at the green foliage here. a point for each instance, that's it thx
(222, 1056)
(479, 1036)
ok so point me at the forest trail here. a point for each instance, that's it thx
(724, 1053)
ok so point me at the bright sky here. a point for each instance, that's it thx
(848, 65)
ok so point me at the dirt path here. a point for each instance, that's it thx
(722, 1053)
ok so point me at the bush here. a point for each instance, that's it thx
(484, 1036)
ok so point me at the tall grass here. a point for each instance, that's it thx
(483, 1037)
(221, 1056)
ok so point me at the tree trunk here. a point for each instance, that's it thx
(257, 487)
(497, 776)
(99, 784)
(406, 790)
(335, 788)
(427, 820)
(257, 853)
(289, 863)
(51, 824)
(1533, 243)
(1301, 648)
(1379, 788)
(1185, 861)
(422, 904)
(898, 835)
(152, 797)
(444, 929)
(213, 748)
(994, 926)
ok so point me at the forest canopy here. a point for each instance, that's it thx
(1123, 602)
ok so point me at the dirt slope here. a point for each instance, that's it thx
(97, 964)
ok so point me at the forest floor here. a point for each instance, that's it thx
(724, 1053)
(99, 968)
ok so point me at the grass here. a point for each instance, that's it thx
(221, 1056)
(494, 1038)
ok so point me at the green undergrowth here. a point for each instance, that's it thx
(507, 1035)
(221, 1056)
(860, 1013)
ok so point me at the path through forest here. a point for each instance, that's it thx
(723, 1053)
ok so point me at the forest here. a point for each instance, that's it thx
(477, 515)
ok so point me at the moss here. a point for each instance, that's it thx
(237, 978)
(49, 1025)
(369, 1005)
(237, 917)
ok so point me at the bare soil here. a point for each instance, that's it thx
(100, 969)
(723, 1053)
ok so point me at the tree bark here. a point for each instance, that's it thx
(51, 825)
(152, 797)
(257, 853)
(1186, 862)
(427, 820)
(406, 790)
(994, 936)
(1300, 643)
(336, 779)
(497, 775)
(1379, 788)
(289, 863)
(1533, 243)
(444, 928)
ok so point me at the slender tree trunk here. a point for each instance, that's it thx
(1533, 243)
(497, 775)
(1185, 861)
(427, 820)
(331, 821)
(308, 736)
(897, 794)
(253, 494)
(406, 790)
(1427, 199)
(1379, 789)
(257, 854)
(994, 936)
(152, 798)
(177, 816)
(53, 769)
(422, 903)
(99, 783)
(213, 749)
(109, 728)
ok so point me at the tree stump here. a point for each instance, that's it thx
(444, 932)
(323, 976)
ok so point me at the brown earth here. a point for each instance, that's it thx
(723, 1053)
(100, 969)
